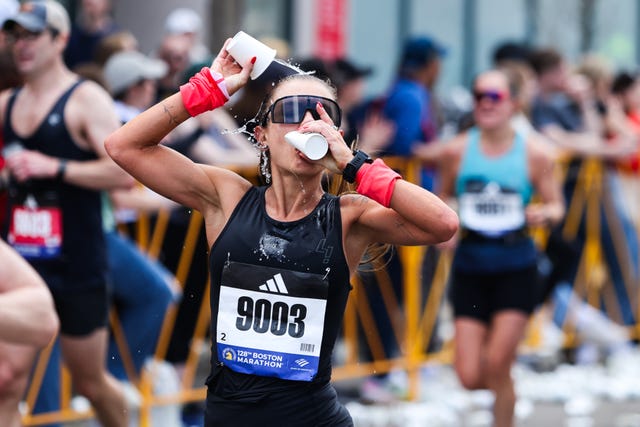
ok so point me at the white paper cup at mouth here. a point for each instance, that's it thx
(312, 145)
(243, 47)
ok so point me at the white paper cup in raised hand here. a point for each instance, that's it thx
(312, 145)
(243, 47)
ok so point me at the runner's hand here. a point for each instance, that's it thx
(28, 164)
(235, 75)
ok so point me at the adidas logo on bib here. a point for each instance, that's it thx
(275, 285)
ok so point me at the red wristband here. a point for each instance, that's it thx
(202, 93)
(376, 181)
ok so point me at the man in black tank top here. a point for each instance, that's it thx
(54, 127)
(282, 254)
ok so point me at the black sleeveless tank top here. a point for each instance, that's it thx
(268, 267)
(83, 254)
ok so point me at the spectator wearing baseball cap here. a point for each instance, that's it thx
(37, 17)
(186, 22)
(410, 100)
(131, 78)
(420, 52)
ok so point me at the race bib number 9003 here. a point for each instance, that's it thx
(270, 321)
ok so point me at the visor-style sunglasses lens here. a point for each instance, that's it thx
(291, 109)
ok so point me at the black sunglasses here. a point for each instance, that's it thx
(292, 109)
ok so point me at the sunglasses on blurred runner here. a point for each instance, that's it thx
(292, 109)
(492, 95)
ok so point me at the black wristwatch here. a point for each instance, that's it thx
(359, 159)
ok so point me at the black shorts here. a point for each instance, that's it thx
(479, 296)
(82, 310)
(315, 407)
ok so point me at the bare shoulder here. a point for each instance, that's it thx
(90, 115)
(90, 105)
(539, 150)
(4, 97)
(91, 95)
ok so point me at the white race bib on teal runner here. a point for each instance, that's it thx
(491, 211)
(271, 321)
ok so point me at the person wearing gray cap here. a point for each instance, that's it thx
(56, 124)
(131, 78)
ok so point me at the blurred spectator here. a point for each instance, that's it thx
(374, 132)
(114, 42)
(107, 46)
(410, 101)
(187, 22)
(141, 287)
(94, 22)
(174, 50)
(57, 172)
(567, 111)
(29, 322)
(512, 51)
(9, 77)
(131, 78)
(626, 88)
(316, 66)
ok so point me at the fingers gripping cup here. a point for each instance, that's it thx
(312, 145)
(243, 48)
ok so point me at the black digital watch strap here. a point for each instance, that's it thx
(359, 159)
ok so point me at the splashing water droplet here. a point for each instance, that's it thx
(290, 65)
(243, 129)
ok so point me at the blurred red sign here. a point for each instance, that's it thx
(331, 20)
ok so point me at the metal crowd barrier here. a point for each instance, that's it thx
(412, 316)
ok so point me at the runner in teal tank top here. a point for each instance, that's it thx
(493, 172)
